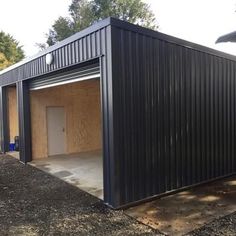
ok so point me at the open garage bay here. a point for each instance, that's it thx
(83, 170)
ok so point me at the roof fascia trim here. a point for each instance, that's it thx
(168, 38)
(93, 28)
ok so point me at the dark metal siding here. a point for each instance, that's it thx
(168, 107)
(91, 44)
(4, 130)
(23, 102)
(81, 50)
(174, 115)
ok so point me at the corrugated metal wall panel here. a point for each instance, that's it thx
(4, 131)
(168, 107)
(23, 103)
(69, 55)
(174, 114)
(93, 45)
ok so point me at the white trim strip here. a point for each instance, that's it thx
(88, 77)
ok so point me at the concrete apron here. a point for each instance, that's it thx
(84, 170)
(181, 213)
(14, 154)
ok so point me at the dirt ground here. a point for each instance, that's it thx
(35, 203)
(181, 213)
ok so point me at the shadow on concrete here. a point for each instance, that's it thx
(183, 212)
(84, 170)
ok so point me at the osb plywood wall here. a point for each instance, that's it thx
(81, 102)
(12, 113)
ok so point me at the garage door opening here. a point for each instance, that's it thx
(66, 133)
(12, 116)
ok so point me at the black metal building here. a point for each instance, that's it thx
(168, 107)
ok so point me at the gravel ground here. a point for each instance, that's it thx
(222, 226)
(35, 203)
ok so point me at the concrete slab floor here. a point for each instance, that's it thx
(183, 212)
(84, 170)
(14, 154)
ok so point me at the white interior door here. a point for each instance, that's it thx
(56, 130)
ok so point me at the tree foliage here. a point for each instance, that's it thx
(62, 28)
(84, 13)
(4, 63)
(133, 11)
(10, 51)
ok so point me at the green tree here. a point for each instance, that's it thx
(62, 28)
(10, 51)
(3, 61)
(133, 11)
(84, 13)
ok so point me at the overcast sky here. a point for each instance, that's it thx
(199, 21)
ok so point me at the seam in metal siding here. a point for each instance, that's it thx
(174, 113)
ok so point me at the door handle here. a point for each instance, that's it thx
(63, 129)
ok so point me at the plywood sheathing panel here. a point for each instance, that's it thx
(81, 101)
(12, 113)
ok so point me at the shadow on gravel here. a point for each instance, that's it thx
(35, 203)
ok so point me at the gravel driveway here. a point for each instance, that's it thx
(35, 203)
(223, 226)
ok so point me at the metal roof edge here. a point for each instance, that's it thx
(165, 37)
(96, 26)
(127, 26)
